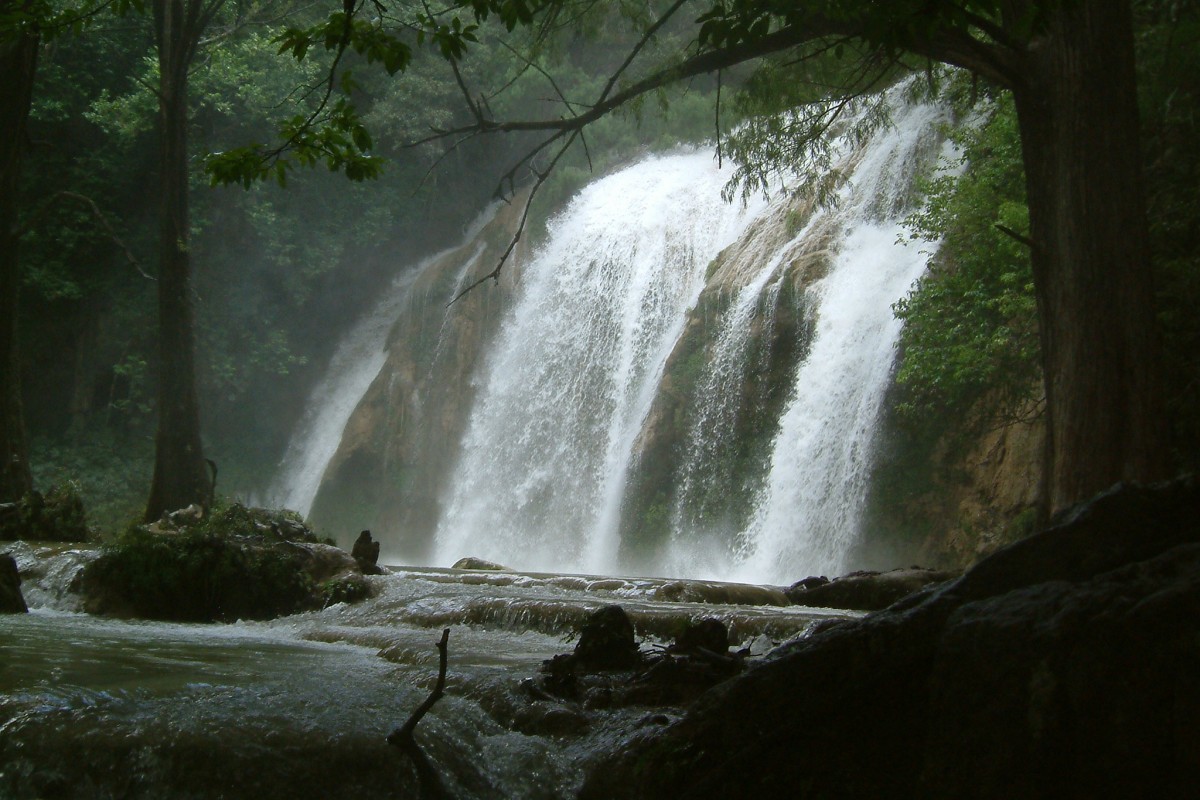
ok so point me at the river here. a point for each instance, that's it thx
(299, 707)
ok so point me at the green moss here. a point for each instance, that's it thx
(57, 516)
(349, 589)
(229, 566)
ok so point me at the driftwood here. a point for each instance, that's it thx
(431, 784)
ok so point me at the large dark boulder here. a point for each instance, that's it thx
(1066, 665)
(606, 641)
(11, 599)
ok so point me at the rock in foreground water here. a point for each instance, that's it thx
(864, 591)
(1063, 666)
(11, 599)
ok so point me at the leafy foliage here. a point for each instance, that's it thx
(970, 322)
(1169, 93)
(57, 516)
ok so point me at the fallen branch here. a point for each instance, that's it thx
(430, 781)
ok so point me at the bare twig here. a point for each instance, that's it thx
(516, 237)
(402, 737)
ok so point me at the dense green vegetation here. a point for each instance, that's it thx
(970, 323)
(970, 346)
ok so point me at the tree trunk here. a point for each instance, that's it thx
(18, 64)
(180, 473)
(1077, 109)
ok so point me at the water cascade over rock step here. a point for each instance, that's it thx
(671, 384)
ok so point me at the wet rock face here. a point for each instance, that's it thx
(703, 636)
(607, 669)
(470, 562)
(606, 641)
(366, 553)
(1064, 666)
(240, 564)
(11, 599)
(864, 591)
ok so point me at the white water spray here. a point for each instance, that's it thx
(575, 370)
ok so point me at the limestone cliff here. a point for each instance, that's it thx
(951, 496)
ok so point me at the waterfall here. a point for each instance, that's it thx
(577, 365)
(673, 384)
(806, 516)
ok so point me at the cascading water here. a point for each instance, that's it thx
(97, 708)
(807, 516)
(576, 366)
(573, 376)
(679, 385)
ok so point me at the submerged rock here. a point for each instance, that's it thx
(1063, 666)
(864, 590)
(11, 599)
(716, 592)
(470, 562)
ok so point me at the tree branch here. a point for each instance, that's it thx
(516, 237)
(1025, 240)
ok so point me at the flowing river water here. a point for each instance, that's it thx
(299, 707)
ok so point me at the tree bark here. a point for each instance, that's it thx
(18, 65)
(180, 474)
(1077, 110)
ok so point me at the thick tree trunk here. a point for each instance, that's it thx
(1077, 110)
(18, 63)
(180, 473)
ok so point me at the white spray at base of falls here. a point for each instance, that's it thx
(573, 376)
(576, 367)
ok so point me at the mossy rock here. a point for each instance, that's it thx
(239, 563)
(56, 516)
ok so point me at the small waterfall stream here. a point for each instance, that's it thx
(354, 365)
